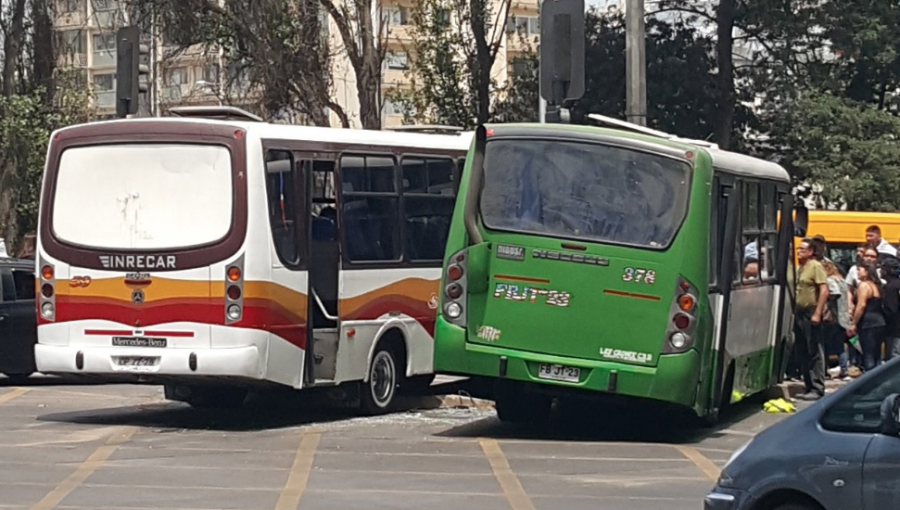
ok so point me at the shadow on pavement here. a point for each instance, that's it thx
(264, 410)
(589, 421)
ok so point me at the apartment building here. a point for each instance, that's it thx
(521, 33)
(86, 40)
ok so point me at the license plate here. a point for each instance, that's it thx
(559, 373)
(134, 341)
(136, 362)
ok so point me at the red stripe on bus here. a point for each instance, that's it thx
(631, 295)
(108, 332)
(172, 334)
(521, 279)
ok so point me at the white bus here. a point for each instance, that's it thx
(210, 256)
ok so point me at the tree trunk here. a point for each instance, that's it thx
(484, 60)
(368, 72)
(725, 16)
(15, 39)
(44, 54)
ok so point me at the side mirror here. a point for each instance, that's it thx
(801, 223)
(890, 415)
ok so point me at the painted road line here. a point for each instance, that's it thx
(85, 469)
(516, 496)
(10, 395)
(707, 466)
(299, 475)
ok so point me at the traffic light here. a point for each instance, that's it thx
(130, 54)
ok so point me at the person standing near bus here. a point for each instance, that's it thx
(812, 296)
(873, 238)
(891, 272)
(868, 319)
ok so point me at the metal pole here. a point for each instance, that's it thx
(635, 64)
(542, 103)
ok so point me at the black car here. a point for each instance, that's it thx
(18, 317)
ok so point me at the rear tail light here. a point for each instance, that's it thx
(234, 291)
(46, 301)
(455, 289)
(682, 319)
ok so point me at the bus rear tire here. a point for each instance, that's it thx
(514, 405)
(376, 396)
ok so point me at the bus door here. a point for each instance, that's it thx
(324, 262)
(726, 198)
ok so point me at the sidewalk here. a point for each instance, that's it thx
(790, 389)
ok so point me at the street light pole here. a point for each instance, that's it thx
(635, 64)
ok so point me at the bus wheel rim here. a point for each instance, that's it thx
(381, 383)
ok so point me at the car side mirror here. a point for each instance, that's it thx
(890, 415)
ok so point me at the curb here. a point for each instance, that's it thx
(444, 402)
(789, 390)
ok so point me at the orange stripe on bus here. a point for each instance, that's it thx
(521, 279)
(631, 295)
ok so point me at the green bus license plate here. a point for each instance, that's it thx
(559, 373)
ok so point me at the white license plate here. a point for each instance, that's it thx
(136, 362)
(559, 373)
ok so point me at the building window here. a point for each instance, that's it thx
(105, 43)
(104, 82)
(176, 76)
(397, 60)
(71, 42)
(71, 6)
(524, 25)
(210, 73)
(397, 15)
(393, 108)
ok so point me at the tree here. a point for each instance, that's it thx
(845, 151)
(454, 48)
(364, 43)
(682, 93)
(275, 47)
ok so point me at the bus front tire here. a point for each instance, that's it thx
(514, 405)
(377, 394)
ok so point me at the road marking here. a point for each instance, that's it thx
(509, 482)
(707, 466)
(299, 476)
(93, 463)
(9, 395)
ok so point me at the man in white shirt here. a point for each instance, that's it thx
(873, 237)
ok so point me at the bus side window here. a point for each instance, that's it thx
(428, 199)
(283, 202)
(370, 208)
(770, 205)
(750, 251)
(716, 224)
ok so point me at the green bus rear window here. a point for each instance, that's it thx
(586, 191)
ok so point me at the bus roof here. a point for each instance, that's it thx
(264, 130)
(723, 161)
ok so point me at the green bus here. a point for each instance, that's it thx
(585, 259)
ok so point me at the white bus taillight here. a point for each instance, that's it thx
(234, 291)
(455, 289)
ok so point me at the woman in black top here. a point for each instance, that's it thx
(868, 319)
(890, 270)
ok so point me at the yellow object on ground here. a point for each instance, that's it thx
(779, 405)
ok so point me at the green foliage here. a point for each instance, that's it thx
(25, 128)
(847, 151)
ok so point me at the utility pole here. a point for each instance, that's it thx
(635, 64)
(542, 103)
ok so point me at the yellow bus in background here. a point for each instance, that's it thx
(845, 230)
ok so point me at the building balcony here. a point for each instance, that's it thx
(106, 99)
(72, 60)
(107, 19)
(70, 20)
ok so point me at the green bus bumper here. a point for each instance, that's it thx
(674, 379)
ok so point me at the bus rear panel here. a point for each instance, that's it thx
(592, 270)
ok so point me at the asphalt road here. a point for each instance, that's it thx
(74, 447)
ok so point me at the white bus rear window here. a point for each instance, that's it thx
(143, 196)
